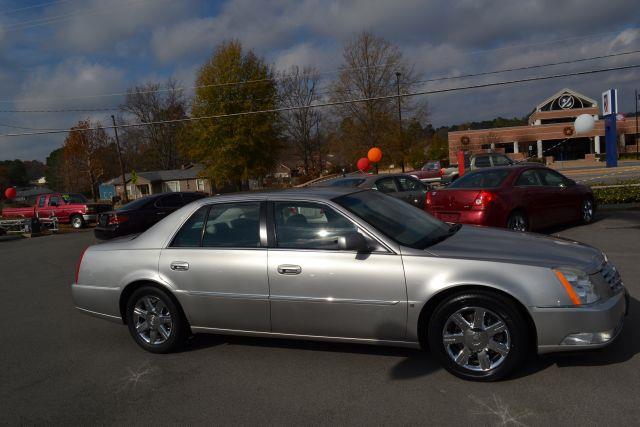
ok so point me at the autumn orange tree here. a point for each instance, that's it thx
(88, 157)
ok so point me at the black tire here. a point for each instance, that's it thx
(515, 339)
(77, 222)
(518, 221)
(178, 327)
(587, 210)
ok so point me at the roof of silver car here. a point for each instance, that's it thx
(319, 193)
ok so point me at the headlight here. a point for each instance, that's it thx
(577, 285)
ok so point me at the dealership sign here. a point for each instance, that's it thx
(610, 102)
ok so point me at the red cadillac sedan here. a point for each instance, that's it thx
(520, 197)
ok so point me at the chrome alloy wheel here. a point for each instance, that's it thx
(76, 222)
(152, 320)
(476, 339)
(587, 210)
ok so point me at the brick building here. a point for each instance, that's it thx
(550, 123)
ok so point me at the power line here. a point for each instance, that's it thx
(20, 9)
(444, 78)
(20, 127)
(334, 103)
(64, 110)
(51, 19)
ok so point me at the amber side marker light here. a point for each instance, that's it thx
(567, 287)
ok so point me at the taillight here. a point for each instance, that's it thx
(428, 200)
(118, 219)
(79, 263)
(483, 199)
(441, 172)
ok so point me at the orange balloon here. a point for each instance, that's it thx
(374, 155)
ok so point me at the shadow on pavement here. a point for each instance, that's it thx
(417, 363)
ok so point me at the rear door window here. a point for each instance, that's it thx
(551, 178)
(190, 234)
(233, 225)
(528, 178)
(41, 201)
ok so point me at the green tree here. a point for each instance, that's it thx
(234, 149)
(54, 172)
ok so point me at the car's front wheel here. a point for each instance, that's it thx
(155, 320)
(478, 336)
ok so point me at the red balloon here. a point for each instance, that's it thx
(10, 193)
(363, 164)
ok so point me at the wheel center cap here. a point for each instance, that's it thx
(153, 320)
(475, 339)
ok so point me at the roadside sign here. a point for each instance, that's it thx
(610, 102)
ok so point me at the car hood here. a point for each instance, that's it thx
(492, 244)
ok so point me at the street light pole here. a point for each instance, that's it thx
(125, 196)
(398, 74)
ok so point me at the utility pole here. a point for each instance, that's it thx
(398, 74)
(125, 196)
(637, 152)
(319, 144)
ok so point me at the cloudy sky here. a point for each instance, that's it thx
(61, 54)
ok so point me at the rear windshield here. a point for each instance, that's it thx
(135, 204)
(481, 179)
(348, 182)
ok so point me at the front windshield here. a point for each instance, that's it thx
(398, 220)
(74, 198)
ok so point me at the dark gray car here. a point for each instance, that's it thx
(399, 185)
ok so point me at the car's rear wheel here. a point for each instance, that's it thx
(155, 321)
(518, 221)
(478, 336)
(587, 210)
(77, 221)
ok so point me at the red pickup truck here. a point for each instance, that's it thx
(69, 208)
(430, 172)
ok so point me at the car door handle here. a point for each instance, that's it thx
(179, 266)
(289, 269)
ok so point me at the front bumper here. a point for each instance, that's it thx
(559, 327)
(90, 217)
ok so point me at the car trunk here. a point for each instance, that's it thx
(448, 203)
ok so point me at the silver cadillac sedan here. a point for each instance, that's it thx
(358, 266)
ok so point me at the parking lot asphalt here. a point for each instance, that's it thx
(62, 367)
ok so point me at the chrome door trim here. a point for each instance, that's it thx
(331, 300)
(407, 344)
(231, 295)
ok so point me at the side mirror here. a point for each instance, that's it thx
(353, 242)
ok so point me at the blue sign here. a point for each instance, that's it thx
(609, 110)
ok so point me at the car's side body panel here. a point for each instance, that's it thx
(338, 293)
(222, 288)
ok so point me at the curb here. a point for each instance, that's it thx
(619, 207)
